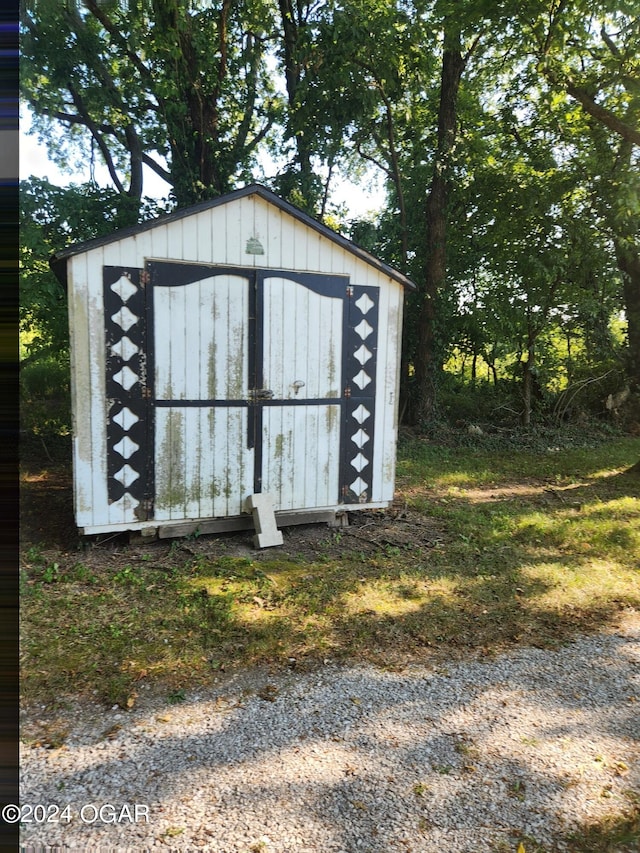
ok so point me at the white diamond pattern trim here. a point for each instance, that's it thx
(124, 287)
(362, 379)
(125, 318)
(125, 504)
(126, 377)
(126, 419)
(126, 447)
(364, 303)
(359, 462)
(360, 438)
(125, 348)
(126, 475)
(358, 486)
(363, 329)
(361, 414)
(363, 354)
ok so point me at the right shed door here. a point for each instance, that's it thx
(300, 365)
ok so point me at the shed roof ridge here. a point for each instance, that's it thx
(59, 267)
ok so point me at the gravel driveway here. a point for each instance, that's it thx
(529, 746)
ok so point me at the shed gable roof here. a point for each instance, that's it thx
(58, 261)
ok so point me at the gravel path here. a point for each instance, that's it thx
(527, 747)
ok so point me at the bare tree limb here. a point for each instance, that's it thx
(601, 114)
(116, 35)
(95, 133)
(157, 168)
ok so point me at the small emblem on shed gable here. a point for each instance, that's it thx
(254, 247)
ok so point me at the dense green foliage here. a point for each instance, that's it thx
(507, 135)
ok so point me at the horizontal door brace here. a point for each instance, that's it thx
(235, 404)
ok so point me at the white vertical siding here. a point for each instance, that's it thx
(203, 465)
(82, 395)
(303, 341)
(387, 390)
(301, 441)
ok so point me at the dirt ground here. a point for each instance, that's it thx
(47, 523)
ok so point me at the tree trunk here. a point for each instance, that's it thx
(569, 360)
(528, 379)
(426, 362)
(304, 186)
(629, 265)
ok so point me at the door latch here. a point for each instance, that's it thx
(261, 394)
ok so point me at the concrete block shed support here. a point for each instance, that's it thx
(264, 519)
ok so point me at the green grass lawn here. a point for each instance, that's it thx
(522, 547)
(483, 550)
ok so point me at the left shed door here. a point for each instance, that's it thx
(200, 353)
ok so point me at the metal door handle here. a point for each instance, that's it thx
(261, 394)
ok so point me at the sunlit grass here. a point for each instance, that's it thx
(398, 598)
(528, 566)
(586, 583)
(421, 464)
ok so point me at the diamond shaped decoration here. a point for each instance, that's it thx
(362, 354)
(125, 348)
(364, 303)
(125, 419)
(126, 447)
(125, 504)
(361, 414)
(359, 462)
(124, 287)
(358, 486)
(126, 377)
(362, 379)
(360, 438)
(126, 475)
(363, 329)
(125, 318)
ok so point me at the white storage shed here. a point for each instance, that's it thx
(230, 349)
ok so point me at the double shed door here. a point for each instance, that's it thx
(255, 381)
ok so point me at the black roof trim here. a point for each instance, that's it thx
(58, 261)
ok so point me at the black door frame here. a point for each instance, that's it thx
(356, 400)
